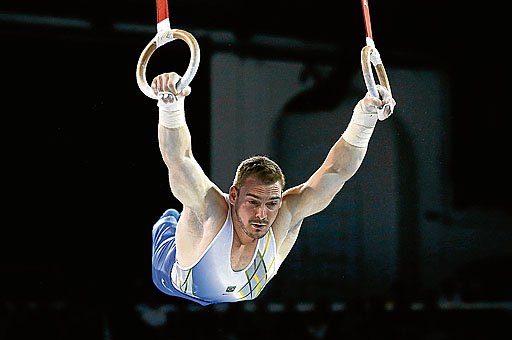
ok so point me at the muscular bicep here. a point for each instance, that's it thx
(312, 196)
(189, 183)
(318, 191)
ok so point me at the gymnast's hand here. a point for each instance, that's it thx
(164, 86)
(171, 103)
(366, 113)
(383, 106)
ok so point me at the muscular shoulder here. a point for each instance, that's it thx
(292, 203)
(213, 205)
(198, 227)
(288, 215)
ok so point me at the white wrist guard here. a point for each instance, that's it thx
(360, 128)
(172, 115)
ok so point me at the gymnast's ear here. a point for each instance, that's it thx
(233, 194)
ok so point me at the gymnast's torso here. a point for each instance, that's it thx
(212, 279)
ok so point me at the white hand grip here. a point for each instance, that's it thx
(159, 40)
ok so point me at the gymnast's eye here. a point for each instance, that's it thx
(272, 204)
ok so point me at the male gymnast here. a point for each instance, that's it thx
(227, 247)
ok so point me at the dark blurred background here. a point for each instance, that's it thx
(418, 245)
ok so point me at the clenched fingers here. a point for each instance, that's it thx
(166, 83)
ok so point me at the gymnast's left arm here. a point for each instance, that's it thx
(343, 159)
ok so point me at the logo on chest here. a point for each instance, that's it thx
(230, 289)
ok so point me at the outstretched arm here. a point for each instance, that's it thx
(189, 184)
(341, 163)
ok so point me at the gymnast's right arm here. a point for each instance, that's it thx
(189, 184)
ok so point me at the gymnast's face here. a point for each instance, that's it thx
(256, 205)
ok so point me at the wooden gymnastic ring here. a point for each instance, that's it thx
(366, 64)
(151, 48)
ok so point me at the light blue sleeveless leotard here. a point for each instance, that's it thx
(211, 279)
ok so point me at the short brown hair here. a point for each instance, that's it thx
(263, 167)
